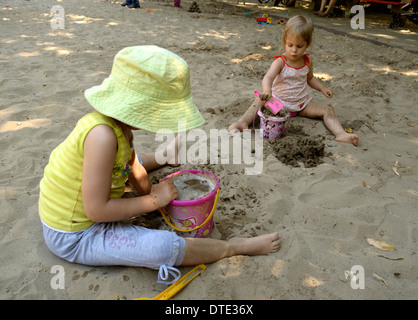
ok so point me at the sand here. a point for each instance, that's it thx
(324, 208)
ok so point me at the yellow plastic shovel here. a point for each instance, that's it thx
(178, 285)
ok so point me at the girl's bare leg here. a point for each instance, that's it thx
(327, 113)
(321, 10)
(206, 250)
(247, 118)
(330, 7)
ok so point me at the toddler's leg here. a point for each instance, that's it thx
(247, 118)
(327, 113)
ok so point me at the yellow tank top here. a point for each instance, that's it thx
(60, 200)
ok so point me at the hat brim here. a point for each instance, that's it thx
(146, 113)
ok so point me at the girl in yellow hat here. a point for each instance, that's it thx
(81, 204)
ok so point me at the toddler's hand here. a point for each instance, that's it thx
(327, 92)
(264, 96)
(164, 192)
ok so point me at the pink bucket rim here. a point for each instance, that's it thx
(199, 200)
(275, 119)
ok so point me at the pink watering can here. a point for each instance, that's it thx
(274, 104)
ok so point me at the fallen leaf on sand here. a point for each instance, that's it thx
(396, 171)
(383, 256)
(381, 244)
(367, 186)
(252, 68)
(348, 274)
(380, 279)
(413, 192)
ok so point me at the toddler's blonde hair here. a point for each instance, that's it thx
(300, 26)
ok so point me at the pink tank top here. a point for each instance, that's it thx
(291, 86)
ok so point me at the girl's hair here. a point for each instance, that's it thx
(300, 26)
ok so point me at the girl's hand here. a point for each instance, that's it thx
(163, 193)
(327, 92)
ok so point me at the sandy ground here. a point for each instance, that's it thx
(325, 210)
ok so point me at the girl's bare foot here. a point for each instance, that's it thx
(322, 14)
(260, 245)
(348, 138)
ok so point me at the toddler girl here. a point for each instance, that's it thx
(288, 80)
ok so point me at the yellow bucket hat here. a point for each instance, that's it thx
(149, 89)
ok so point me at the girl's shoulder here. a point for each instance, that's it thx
(308, 60)
(280, 60)
(280, 57)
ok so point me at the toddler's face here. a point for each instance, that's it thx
(295, 47)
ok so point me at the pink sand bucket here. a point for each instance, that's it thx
(193, 218)
(273, 127)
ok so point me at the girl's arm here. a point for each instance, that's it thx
(316, 84)
(100, 148)
(139, 176)
(269, 77)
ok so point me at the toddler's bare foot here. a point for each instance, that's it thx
(348, 138)
(260, 245)
(238, 125)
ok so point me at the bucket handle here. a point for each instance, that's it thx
(255, 116)
(162, 210)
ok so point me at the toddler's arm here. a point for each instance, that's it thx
(269, 77)
(316, 84)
